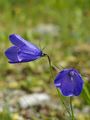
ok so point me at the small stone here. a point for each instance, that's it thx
(33, 100)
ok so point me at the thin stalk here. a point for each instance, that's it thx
(50, 65)
(71, 107)
(61, 99)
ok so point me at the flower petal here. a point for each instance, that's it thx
(78, 85)
(66, 86)
(59, 78)
(26, 57)
(19, 41)
(28, 50)
(11, 54)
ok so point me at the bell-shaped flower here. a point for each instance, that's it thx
(69, 82)
(22, 50)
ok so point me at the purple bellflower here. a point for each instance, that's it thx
(22, 50)
(69, 82)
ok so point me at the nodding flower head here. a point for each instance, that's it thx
(70, 82)
(22, 50)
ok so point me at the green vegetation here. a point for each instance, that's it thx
(67, 42)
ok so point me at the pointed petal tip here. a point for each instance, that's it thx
(12, 35)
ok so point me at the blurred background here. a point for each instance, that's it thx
(62, 29)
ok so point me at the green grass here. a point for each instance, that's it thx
(70, 47)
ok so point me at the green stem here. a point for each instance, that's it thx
(49, 60)
(52, 66)
(61, 99)
(71, 107)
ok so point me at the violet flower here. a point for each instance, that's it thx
(22, 50)
(69, 82)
